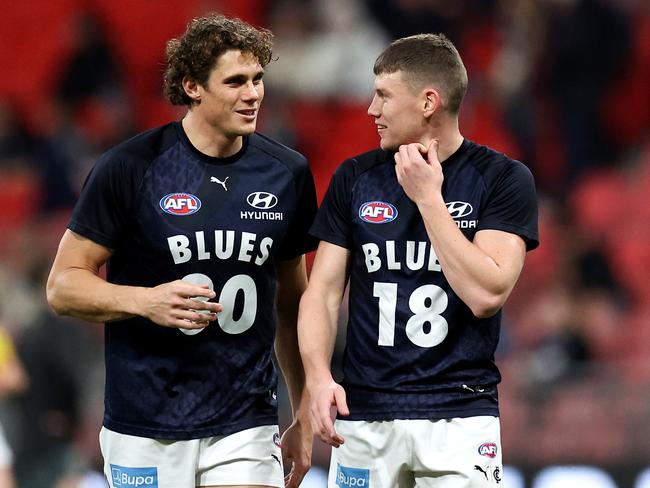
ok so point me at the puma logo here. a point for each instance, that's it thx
(214, 179)
(478, 468)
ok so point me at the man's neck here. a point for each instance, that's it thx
(449, 140)
(207, 139)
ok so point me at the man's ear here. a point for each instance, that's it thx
(432, 101)
(192, 89)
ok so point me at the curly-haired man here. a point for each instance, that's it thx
(203, 226)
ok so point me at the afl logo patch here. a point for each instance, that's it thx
(377, 212)
(180, 204)
(488, 449)
(276, 440)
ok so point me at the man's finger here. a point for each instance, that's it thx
(198, 304)
(341, 402)
(421, 147)
(432, 152)
(404, 153)
(188, 289)
(415, 151)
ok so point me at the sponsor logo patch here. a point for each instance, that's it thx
(262, 200)
(377, 212)
(488, 449)
(352, 477)
(124, 477)
(180, 204)
(459, 209)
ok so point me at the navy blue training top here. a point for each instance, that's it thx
(414, 349)
(170, 212)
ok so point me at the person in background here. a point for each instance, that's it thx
(13, 379)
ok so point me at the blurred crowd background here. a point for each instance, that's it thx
(562, 85)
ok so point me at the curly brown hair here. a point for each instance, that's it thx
(427, 58)
(205, 39)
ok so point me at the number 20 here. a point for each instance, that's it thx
(423, 312)
(231, 288)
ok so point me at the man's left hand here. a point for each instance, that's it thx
(297, 443)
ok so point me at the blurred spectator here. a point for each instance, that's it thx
(61, 357)
(13, 379)
(325, 49)
(36, 162)
(588, 41)
(401, 18)
(91, 70)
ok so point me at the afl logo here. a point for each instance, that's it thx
(488, 449)
(459, 209)
(180, 204)
(262, 200)
(377, 212)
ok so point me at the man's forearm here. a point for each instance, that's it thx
(286, 350)
(475, 276)
(317, 326)
(82, 294)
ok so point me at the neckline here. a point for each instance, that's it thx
(455, 156)
(206, 158)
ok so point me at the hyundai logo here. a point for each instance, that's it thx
(459, 209)
(262, 200)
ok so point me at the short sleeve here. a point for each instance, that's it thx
(102, 211)
(298, 241)
(333, 222)
(512, 205)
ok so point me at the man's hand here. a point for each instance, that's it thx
(179, 304)
(296, 444)
(420, 178)
(323, 399)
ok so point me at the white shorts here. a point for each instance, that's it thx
(249, 457)
(452, 453)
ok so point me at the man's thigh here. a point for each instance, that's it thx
(373, 455)
(456, 453)
(249, 457)
(132, 461)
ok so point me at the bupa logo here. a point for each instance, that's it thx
(352, 477)
(488, 449)
(124, 477)
(459, 209)
(262, 200)
(180, 204)
(377, 212)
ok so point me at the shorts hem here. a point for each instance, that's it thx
(187, 434)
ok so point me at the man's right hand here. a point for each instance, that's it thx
(178, 304)
(323, 398)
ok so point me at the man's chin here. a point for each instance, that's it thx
(388, 146)
(247, 129)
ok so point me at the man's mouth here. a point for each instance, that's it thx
(248, 113)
